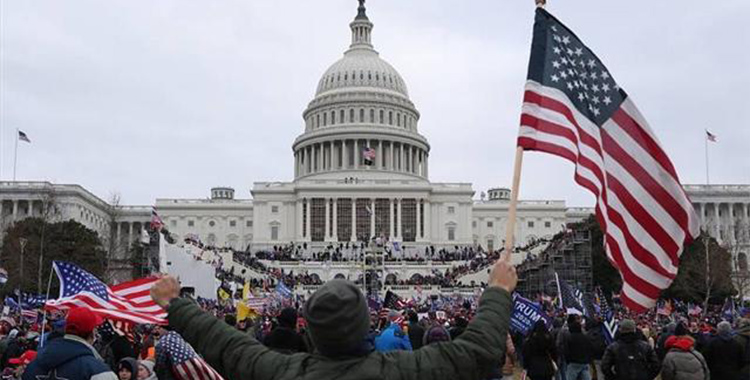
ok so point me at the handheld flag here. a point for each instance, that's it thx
(574, 109)
(369, 156)
(175, 353)
(130, 301)
(568, 300)
(392, 301)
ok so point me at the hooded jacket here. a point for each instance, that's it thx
(630, 358)
(150, 367)
(682, 361)
(743, 338)
(71, 358)
(392, 338)
(724, 356)
(236, 355)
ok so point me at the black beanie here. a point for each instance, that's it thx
(337, 317)
(681, 330)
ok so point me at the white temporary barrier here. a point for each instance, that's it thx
(191, 270)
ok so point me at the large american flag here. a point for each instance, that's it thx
(574, 109)
(129, 302)
(173, 352)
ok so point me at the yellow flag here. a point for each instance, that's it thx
(246, 291)
(243, 311)
(223, 294)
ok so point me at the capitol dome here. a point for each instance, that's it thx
(361, 122)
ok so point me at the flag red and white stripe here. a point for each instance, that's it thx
(127, 302)
(642, 208)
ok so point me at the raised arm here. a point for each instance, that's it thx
(234, 354)
(478, 349)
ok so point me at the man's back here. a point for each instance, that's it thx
(71, 358)
(630, 359)
(392, 338)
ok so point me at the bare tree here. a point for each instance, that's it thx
(49, 213)
(114, 246)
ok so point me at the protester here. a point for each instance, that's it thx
(416, 331)
(146, 370)
(682, 361)
(338, 321)
(436, 334)
(666, 333)
(724, 355)
(393, 337)
(127, 369)
(540, 353)
(20, 363)
(577, 351)
(73, 356)
(284, 338)
(743, 337)
(595, 334)
(629, 357)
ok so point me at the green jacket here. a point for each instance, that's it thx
(237, 356)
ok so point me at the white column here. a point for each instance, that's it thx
(372, 217)
(119, 233)
(15, 209)
(326, 234)
(379, 155)
(402, 167)
(703, 214)
(300, 225)
(393, 156)
(335, 235)
(130, 233)
(426, 166)
(731, 223)
(354, 219)
(334, 156)
(391, 224)
(399, 226)
(745, 218)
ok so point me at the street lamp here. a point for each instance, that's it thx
(22, 242)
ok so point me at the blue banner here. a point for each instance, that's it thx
(525, 314)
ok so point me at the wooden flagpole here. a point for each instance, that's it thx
(510, 227)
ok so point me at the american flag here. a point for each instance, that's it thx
(173, 352)
(256, 303)
(609, 322)
(369, 155)
(393, 301)
(22, 136)
(567, 296)
(710, 136)
(574, 109)
(128, 301)
(156, 222)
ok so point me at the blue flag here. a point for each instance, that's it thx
(525, 314)
(282, 290)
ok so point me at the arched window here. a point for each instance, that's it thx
(372, 115)
(381, 116)
(341, 116)
(369, 75)
(390, 117)
(398, 119)
(317, 120)
(325, 118)
(351, 115)
(333, 117)
(361, 115)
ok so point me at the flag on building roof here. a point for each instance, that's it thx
(369, 155)
(130, 301)
(23, 137)
(710, 136)
(574, 109)
(568, 301)
(175, 353)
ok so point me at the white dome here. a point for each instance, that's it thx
(362, 67)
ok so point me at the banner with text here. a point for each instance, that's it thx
(525, 314)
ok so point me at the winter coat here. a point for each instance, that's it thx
(682, 361)
(416, 334)
(539, 353)
(70, 358)
(236, 355)
(577, 348)
(630, 358)
(595, 333)
(724, 356)
(285, 340)
(392, 338)
(743, 338)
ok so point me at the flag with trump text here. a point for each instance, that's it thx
(127, 302)
(574, 109)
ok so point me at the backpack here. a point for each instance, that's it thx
(631, 362)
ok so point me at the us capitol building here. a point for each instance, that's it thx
(361, 170)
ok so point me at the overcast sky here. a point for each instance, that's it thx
(167, 98)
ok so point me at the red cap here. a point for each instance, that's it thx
(81, 322)
(24, 359)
